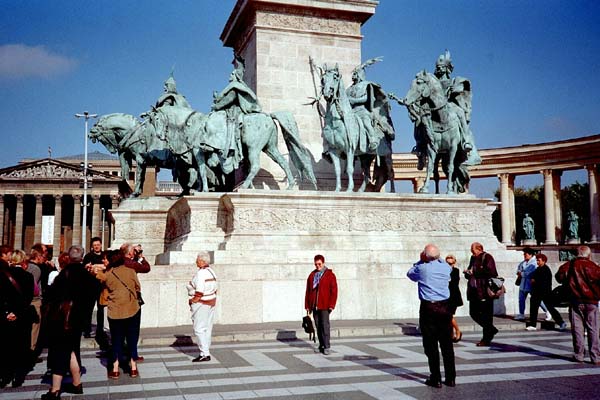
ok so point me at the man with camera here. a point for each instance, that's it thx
(134, 258)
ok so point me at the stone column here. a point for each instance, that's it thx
(2, 213)
(505, 208)
(57, 223)
(556, 175)
(417, 183)
(19, 223)
(76, 219)
(594, 203)
(549, 208)
(511, 203)
(37, 237)
(96, 216)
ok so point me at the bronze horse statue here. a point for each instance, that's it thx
(438, 123)
(344, 132)
(131, 140)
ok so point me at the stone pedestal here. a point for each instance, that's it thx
(263, 244)
(529, 242)
(276, 38)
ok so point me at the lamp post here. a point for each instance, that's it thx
(87, 116)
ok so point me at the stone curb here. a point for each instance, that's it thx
(172, 337)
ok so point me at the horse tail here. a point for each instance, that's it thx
(299, 154)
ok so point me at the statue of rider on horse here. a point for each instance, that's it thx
(440, 108)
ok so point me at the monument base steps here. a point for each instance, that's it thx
(263, 243)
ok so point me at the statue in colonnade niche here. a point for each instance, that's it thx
(573, 226)
(357, 124)
(528, 227)
(440, 108)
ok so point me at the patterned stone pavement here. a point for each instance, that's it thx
(532, 365)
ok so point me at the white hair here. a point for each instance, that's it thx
(204, 256)
(584, 251)
(432, 252)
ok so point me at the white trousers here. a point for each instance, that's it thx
(202, 320)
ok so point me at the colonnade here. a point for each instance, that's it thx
(553, 207)
(18, 231)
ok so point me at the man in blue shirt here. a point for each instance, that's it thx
(435, 317)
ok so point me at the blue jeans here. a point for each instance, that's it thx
(121, 330)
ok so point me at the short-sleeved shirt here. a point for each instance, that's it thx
(205, 282)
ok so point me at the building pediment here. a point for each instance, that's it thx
(50, 169)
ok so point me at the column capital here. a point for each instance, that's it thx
(77, 196)
(58, 196)
(19, 197)
(592, 168)
(547, 172)
(504, 177)
(96, 196)
(38, 197)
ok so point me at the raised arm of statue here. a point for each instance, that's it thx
(222, 102)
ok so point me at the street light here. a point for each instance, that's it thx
(87, 116)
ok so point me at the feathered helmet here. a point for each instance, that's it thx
(171, 81)
(360, 70)
(239, 66)
(445, 60)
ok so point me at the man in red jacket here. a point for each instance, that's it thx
(320, 299)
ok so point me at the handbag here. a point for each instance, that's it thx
(137, 294)
(518, 280)
(309, 328)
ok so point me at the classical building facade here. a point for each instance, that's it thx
(41, 201)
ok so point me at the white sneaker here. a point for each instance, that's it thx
(531, 328)
(563, 326)
(548, 316)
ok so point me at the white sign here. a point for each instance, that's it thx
(48, 229)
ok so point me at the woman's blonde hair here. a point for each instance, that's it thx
(451, 257)
(18, 257)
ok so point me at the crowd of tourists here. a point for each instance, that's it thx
(48, 305)
(44, 305)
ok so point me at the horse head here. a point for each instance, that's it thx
(110, 129)
(330, 82)
(420, 88)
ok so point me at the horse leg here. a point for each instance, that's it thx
(254, 162)
(390, 172)
(365, 163)
(451, 156)
(335, 159)
(350, 170)
(436, 174)
(201, 162)
(273, 152)
(430, 163)
(140, 176)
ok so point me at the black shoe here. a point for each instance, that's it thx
(17, 382)
(435, 384)
(70, 388)
(450, 382)
(201, 359)
(51, 395)
(483, 343)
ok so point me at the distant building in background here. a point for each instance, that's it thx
(41, 200)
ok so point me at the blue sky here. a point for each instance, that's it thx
(533, 65)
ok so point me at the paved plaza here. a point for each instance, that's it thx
(520, 364)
